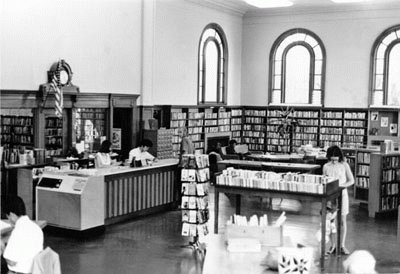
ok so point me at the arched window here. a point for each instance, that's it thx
(213, 66)
(297, 69)
(385, 63)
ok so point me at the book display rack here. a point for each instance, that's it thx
(195, 177)
(178, 119)
(384, 195)
(162, 142)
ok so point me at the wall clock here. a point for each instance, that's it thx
(62, 73)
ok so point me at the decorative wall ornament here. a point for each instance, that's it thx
(59, 83)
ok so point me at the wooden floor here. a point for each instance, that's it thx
(153, 244)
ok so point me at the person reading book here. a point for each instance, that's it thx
(26, 239)
(230, 149)
(338, 168)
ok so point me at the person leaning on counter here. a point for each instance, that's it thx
(103, 157)
(140, 153)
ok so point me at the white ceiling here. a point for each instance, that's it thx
(300, 6)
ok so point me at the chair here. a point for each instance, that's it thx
(46, 262)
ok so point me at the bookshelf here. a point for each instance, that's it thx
(253, 129)
(384, 195)
(308, 128)
(355, 128)
(211, 120)
(17, 128)
(236, 124)
(224, 120)
(53, 136)
(331, 130)
(195, 128)
(90, 126)
(178, 119)
(362, 174)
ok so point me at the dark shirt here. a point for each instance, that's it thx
(230, 150)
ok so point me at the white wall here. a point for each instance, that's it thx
(177, 27)
(99, 39)
(347, 36)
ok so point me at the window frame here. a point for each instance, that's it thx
(373, 65)
(313, 60)
(221, 96)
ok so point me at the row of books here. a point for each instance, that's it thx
(390, 202)
(254, 127)
(391, 175)
(391, 162)
(19, 139)
(390, 189)
(16, 120)
(275, 181)
(196, 123)
(362, 182)
(253, 134)
(252, 112)
(331, 123)
(54, 122)
(193, 230)
(331, 130)
(337, 115)
(191, 202)
(254, 140)
(211, 129)
(363, 170)
(193, 189)
(363, 157)
(193, 161)
(17, 129)
(195, 216)
(254, 120)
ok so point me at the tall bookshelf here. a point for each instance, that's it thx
(355, 128)
(178, 119)
(331, 130)
(211, 120)
(236, 124)
(195, 128)
(253, 130)
(53, 136)
(308, 128)
(384, 195)
(362, 174)
(384, 125)
(224, 120)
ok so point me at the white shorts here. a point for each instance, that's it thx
(345, 202)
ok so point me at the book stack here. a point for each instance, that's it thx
(292, 182)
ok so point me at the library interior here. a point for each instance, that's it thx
(211, 136)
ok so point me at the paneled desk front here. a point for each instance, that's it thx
(303, 196)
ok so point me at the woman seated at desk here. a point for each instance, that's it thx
(103, 157)
(140, 153)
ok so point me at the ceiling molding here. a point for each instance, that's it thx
(232, 7)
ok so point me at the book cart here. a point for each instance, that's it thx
(195, 177)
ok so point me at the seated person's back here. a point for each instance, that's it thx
(26, 239)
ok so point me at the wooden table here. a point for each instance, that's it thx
(271, 166)
(313, 197)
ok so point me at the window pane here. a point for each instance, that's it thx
(379, 81)
(398, 33)
(394, 76)
(276, 96)
(377, 98)
(318, 53)
(297, 75)
(277, 82)
(390, 38)
(318, 67)
(317, 81)
(311, 41)
(208, 33)
(211, 72)
(381, 51)
(299, 37)
(379, 66)
(278, 67)
(316, 97)
(279, 53)
(218, 39)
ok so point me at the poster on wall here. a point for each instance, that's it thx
(116, 138)
(374, 116)
(393, 128)
(384, 121)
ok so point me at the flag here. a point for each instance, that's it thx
(59, 101)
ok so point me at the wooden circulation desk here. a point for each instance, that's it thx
(139, 191)
(270, 166)
(313, 197)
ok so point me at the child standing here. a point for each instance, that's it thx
(339, 169)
